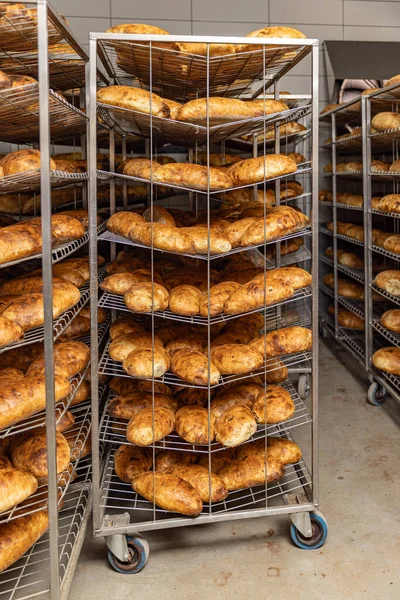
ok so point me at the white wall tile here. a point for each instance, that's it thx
(320, 32)
(173, 27)
(231, 10)
(83, 8)
(136, 10)
(82, 26)
(306, 11)
(227, 28)
(357, 12)
(372, 34)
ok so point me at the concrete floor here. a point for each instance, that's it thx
(360, 475)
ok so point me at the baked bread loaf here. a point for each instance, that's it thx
(10, 331)
(22, 161)
(266, 106)
(256, 170)
(121, 223)
(143, 168)
(199, 478)
(389, 281)
(146, 362)
(392, 80)
(192, 176)
(18, 535)
(390, 203)
(16, 486)
(270, 32)
(257, 293)
(250, 471)
(346, 318)
(200, 49)
(185, 300)
(220, 110)
(219, 294)
(218, 459)
(280, 449)
(387, 359)
(244, 394)
(295, 276)
(133, 98)
(235, 426)
(391, 320)
(273, 405)
(385, 120)
(127, 406)
(288, 340)
(394, 167)
(129, 461)
(166, 459)
(69, 359)
(30, 454)
(378, 166)
(82, 393)
(146, 297)
(160, 214)
(169, 492)
(191, 341)
(391, 243)
(236, 359)
(125, 344)
(192, 366)
(192, 424)
(124, 325)
(81, 324)
(280, 221)
(347, 259)
(199, 237)
(143, 430)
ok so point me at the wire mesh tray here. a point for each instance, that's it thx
(348, 206)
(109, 367)
(30, 181)
(112, 237)
(354, 341)
(392, 338)
(174, 74)
(60, 323)
(188, 134)
(382, 213)
(29, 577)
(386, 253)
(325, 231)
(114, 302)
(78, 435)
(19, 116)
(285, 140)
(352, 305)
(354, 273)
(384, 294)
(39, 419)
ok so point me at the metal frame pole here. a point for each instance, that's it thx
(368, 276)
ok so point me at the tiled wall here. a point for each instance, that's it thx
(374, 20)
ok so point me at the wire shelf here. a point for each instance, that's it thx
(112, 237)
(174, 74)
(39, 419)
(352, 305)
(325, 231)
(389, 381)
(354, 341)
(348, 206)
(166, 131)
(285, 140)
(345, 238)
(109, 367)
(60, 323)
(29, 577)
(77, 435)
(113, 430)
(382, 213)
(19, 115)
(354, 273)
(384, 294)
(393, 338)
(386, 253)
(30, 181)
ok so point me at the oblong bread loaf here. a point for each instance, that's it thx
(192, 424)
(280, 221)
(385, 120)
(391, 320)
(256, 170)
(17, 536)
(166, 459)
(169, 492)
(134, 99)
(30, 454)
(125, 344)
(219, 294)
(122, 222)
(126, 407)
(192, 176)
(219, 110)
(280, 449)
(129, 461)
(148, 426)
(250, 471)
(146, 362)
(16, 486)
(260, 291)
(236, 359)
(192, 366)
(69, 359)
(10, 331)
(288, 340)
(273, 405)
(199, 478)
(387, 359)
(146, 297)
(235, 426)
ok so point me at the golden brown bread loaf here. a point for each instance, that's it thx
(146, 296)
(129, 461)
(81, 324)
(295, 276)
(17, 536)
(256, 170)
(69, 359)
(273, 405)
(236, 359)
(186, 396)
(199, 238)
(160, 214)
(389, 281)
(4, 462)
(288, 340)
(121, 223)
(200, 48)
(198, 477)
(220, 110)
(394, 168)
(82, 393)
(219, 294)
(30, 454)
(192, 176)
(66, 422)
(257, 293)
(124, 325)
(278, 374)
(235, 426)
(250, 471)
(24, 285)
(192, 341)
(346, 318)
(166, 459)
(168, 492)
(125, 344)
(16, 485)
(27, 310)
(216, 159)
(134, 99)
(144, 430)
(192, 366)
(143, 168)
(235, 230)
(146, 362)
(235, 335)
(192, 424)
(218, 459)
(270, 32)
(390, 203)
(280, 221)
(347, 259)
(241, 393)
(25, 397)
(391, 320)
(22, 161)
(266, 106)
(185, 300)
(127, 406)
(280, 449)
(387, 359)
(385, 120)
(392, 243)
(10, 331)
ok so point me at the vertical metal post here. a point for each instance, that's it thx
(83, 104)
(94, 351)
(366, 147)
(47, 269)
(334, 219)
(124, 184)
(314, 273)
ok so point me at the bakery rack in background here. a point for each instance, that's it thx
(117, 509)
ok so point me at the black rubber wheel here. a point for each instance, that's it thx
(138, 555)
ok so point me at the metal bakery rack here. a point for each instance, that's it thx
(364, 144)
(36, 41)
(119, 514)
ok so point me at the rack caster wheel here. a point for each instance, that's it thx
(138, 555)
(319, 533)
(304, 386)
(377, 395)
